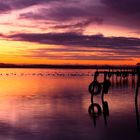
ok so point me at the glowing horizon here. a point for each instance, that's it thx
(81, 32)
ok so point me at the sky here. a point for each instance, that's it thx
(70, 31)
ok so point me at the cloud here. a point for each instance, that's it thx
(67, 14)
(17, 4)
(81, 47)
(127, 12)
(124, 13)
(126, 6)
(63, 18)
(78, 53)
(4, 8)
(77, 26)
(66, 55)
(75, 39)
(9, 5)
(74, 18)
(64, 10)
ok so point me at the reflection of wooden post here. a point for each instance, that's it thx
(138, 82)
(133, 81)
(136, 104)
(137, 114)
(104, 103)
(136, 98)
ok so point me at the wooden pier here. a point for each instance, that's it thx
(96, 87)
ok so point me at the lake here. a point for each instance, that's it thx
(52, 104)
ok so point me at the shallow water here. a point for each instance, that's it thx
(48, 104)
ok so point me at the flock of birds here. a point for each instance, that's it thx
(48, 74)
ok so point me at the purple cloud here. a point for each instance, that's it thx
(75, 39)
(127, 12)
(124, 6)
(4, 8)
(122, 48)
(19, 4)
(78, 46)
(69, 53)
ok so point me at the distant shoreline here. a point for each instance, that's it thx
(44, 66)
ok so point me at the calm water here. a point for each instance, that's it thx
(52, 104)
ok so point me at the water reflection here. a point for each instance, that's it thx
(96, 111)
(52, 105)
(95, 88)
(136, 103)
(137, 114)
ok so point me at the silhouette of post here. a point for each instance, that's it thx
(136, 98)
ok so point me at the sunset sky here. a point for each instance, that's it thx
(70, 31)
